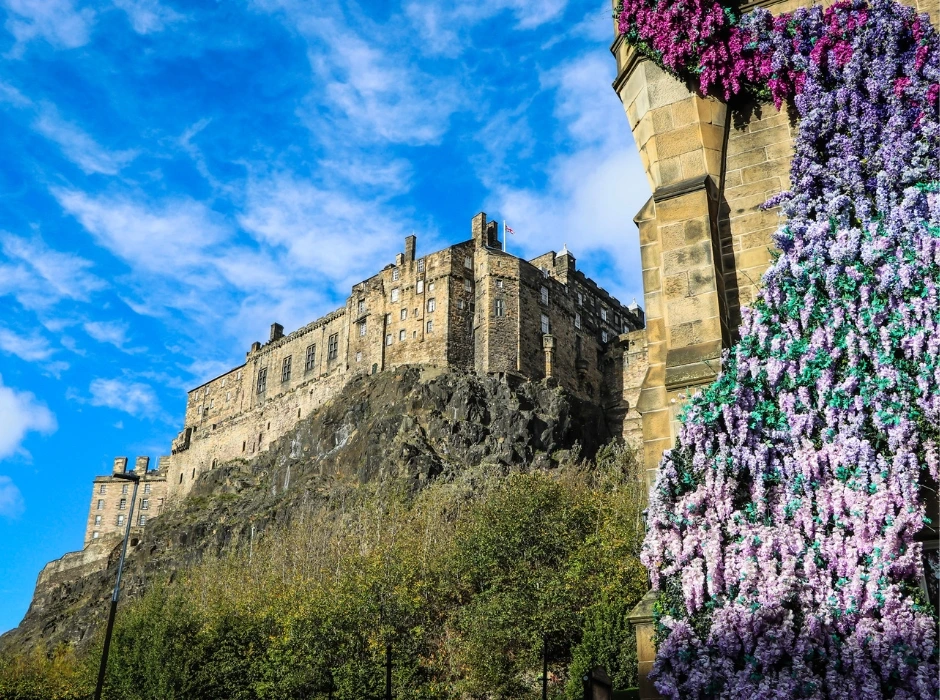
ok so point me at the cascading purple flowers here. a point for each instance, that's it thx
(782, 526)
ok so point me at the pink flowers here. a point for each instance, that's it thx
(782, 526)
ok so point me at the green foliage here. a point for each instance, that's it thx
(463, 581)
(36, 675)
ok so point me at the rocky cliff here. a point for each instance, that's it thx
(409, 426)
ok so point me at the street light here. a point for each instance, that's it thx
(117, 585)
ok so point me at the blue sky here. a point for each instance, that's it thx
(175, 177)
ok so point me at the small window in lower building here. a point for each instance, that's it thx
(403, 314)
(97, 521)
(120, 520)
(388, 339)
(142, 520)
(419, 287)
(359, 356)
(145, 504)
(95, 535)
(468, 262)
(577, 320)
(603, 336)
(460, 304)
(432, 304)
(100, 504)
(467, 285)
(102, 489)
(500, 308)
(545, 326)
(499, 284)
(123, 504)
(430, 326)
(402, 334)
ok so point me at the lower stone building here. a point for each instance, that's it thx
(111, 499)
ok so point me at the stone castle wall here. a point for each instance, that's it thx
(470, 306)
(111, 500)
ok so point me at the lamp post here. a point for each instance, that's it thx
(117, 585)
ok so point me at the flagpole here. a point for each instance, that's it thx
(505, 238)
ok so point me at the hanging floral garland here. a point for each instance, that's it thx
(782, 526)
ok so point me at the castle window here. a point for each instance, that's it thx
(146, 488)
(419, 287)
(124, 489)
(95, 535)
(401, 334)
(388, 339)
(432, 304)
(388, 319)
(500, 308)
(97, 521)
(362, 329)
(239, 375)
(332, 348)
(468, 262)
(123, 504)
(499, 284)
(403, 315)
(311, 358)
(359, 356)
(228, 396)
(362, 306)
(580, 299)
(421, 265)
(603, 336)
(396, 274)
(211, 402)
(603, 313)
(543, 291)
(100, 504)
(120, 520)
(223, 382)
(544, 271)
(102, 489)
(460, 304)
(577, 320)
(414, 334)
(145, 504)
(395, 294)
(545, 326)
(430, 286)
(467, 285)
(430, 326)
(262, 380)
(142, 520)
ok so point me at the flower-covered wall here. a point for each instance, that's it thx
(789, 523)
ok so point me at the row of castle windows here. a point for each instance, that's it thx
(141, 521)
(122, 504)
(103, 488)
(403, 335)
(310, 359)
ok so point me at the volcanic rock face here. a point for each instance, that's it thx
(409, 427)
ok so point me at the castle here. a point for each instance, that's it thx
(471, 306)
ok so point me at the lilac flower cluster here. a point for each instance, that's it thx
(782, 525)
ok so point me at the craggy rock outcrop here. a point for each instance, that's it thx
(409, 426)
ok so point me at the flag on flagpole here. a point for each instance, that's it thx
(507, 229)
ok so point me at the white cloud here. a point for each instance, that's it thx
(112, 332)
(78, 146)
(56, 21)
(11, 95)
(21, 413)
(148, 16)
(129, 396)
(594, 186)
(39, 277)
(31, 349)
(11, 500)
(155, 237)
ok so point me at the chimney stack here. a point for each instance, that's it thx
(277, 332)
(141, 465)
(478, 228)
(120, 465)
(410, 243)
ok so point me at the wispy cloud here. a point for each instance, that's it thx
(33, 348)
(11, 500)
(21, 413)
(57, 21)
(78, 146)
(111, 332)
(148, 16)
(129, 396)
(39, 276)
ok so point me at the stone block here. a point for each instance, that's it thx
(770, 118)
(690, 309)
(713, 162)
(651, 255)
(739, 143)
(662, 120)
(733, 179)
(678, 141)
(673, 235)
(682, 259)
(780, 149)
(742, 160)
(770, 187)
(755, 220)
(754, 258)
(692, 164)
(655, 330)
(670, 171)
(652, 279)
(762, 238)
(747, 205)
(701, 281)
(764, 170)
(696, 231)
(676, 286)
(688, 206)
(713, 137)
(666, 90)
(695, 332)
(684, 112)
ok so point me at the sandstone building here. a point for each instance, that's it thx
(470, 306)
(110, 500)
